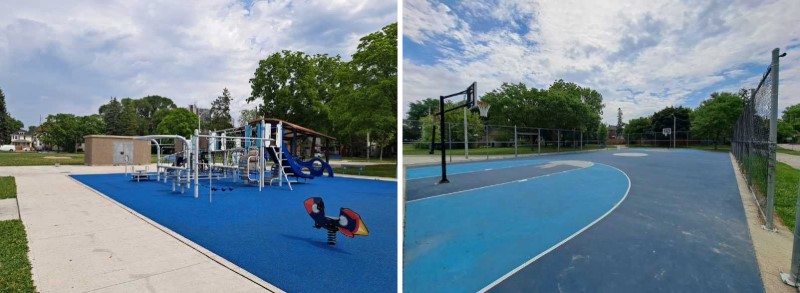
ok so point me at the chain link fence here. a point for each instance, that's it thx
(422, 138)
(678, 139)
(755, 141)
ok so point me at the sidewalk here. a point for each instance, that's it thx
(80, 241)
(790, 160)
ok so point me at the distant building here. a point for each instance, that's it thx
(203, 113)
(24, 141)
(612, 132)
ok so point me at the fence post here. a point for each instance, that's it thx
(539, 141)
(466, 138)
(515, 141)
(773, 140)
(487, 142)
(558, 141)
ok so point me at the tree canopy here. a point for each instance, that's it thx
(563, 105)
(716, 117)
(67, 130)
(349, 100)
(221, 112)
(178, 121)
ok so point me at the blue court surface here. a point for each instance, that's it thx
(269, 233)
(660, 221)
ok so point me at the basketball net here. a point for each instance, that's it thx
(483, 108)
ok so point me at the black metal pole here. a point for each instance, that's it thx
(441, 137)
(433, 140)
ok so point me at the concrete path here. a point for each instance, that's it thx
(81, 241)
(790, 160)
(8, 209)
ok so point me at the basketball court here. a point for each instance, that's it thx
(599, 221)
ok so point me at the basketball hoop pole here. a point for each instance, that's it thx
(470, 92)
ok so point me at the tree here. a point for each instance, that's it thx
(602, 133)
(111, 114)
(456, 132)
(786, 132)
(287, 85)
(716, 116)
(129, 121)
(791, 115)
(664, 119)
(416, 111)
(5, 130)
(147, 107)
(562, 106)
(367, 101)
(14, 125)
(638, 126)
(178, 121)
(620, 124)
(221, 112)
(67, 130)
(248, 115)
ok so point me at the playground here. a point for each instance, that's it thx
(238, 202)
(608, 221)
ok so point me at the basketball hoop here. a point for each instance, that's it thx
(666, 131)
(483, 108)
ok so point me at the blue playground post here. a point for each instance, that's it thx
(247, 134)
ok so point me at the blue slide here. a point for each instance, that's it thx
(293, 167)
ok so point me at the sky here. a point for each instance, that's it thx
(65, 57)
(641, 55)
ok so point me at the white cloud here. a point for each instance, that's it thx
(80, 55)
(667, 52)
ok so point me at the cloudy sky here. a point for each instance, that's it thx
(641, 55)
(57, 57)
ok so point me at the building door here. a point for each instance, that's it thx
(123, 149)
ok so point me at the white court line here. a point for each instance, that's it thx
(522, 266)
(467, 172)
(498, 184)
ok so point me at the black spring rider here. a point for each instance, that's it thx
(348, 223)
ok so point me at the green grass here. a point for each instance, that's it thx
(15, 269)
(788, 151)
(412, 150)
(787, 179)
(382, 170)
(40, 159)
(720, 147)
(8, 187)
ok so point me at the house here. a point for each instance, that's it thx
(24, 141)
(613, 133)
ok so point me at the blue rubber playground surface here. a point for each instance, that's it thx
(269, 233)
(664, 221)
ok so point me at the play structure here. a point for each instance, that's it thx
(266, 151)
(348, 223)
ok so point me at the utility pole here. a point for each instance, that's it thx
(674, 130)
(466, 138)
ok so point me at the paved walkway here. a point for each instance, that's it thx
(791, 160)
(80, 241)
(8, 209)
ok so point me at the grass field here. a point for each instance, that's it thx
(15, 269)
(720, 147)
(40, 159)
(383, 170)
(8, 187)
(412, 150)
(788, 151)
(786, 188)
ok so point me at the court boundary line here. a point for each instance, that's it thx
(498, 184)
(467, 163)
(543, 253)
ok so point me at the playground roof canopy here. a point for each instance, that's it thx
(292, 126)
